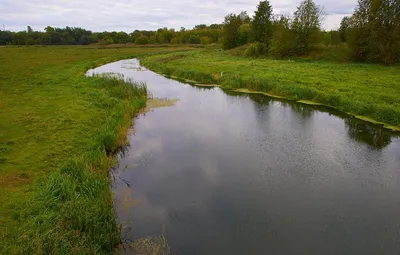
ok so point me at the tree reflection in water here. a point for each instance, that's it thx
(367, 133)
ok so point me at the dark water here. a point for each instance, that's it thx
(228, 173)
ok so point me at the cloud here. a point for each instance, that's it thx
(128, 15)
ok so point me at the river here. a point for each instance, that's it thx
(228, 173)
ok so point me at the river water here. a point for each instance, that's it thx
(228, 173)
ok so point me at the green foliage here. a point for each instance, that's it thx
(142, 40)
(5, 37)
(204, 40)
(374, 31)
(201, 26)
(262, 23)
(232, 24)
(194, 39)
(174, 41)
(72, 36)
(107, 40)
(335, 37)
(244, 34)
(152, 39)
(256, 49)
(307, 26)
(327, 38)
(283, 40)
(344, 25)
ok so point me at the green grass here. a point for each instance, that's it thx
(57, 130)
(366, 90)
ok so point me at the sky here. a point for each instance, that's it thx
(129, 15)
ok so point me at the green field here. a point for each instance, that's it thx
(371, 92)
(56, 126)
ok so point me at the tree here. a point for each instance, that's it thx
(283, 39)
(231, 29)
(174, 41)
(5, 37)
(374, 31)
(385, 31)
(20, 38)
(201, 26)
(307, 26)
(204, 40)
(49, 29)
(344, 25)
(335, 37)
(152, 39)
(142, 40)
(244, 34)
(107, 40)
(121, 37)
(194, 39)
(262, 23)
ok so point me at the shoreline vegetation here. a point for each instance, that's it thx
(57, 147)
(367, 92)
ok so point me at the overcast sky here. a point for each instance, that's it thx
(128, 15)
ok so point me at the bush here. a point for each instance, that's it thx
(152, 40)
(174, 41)
(255, 50)
(142, 40)
(194, 39)
(106, 40)
(205, 40)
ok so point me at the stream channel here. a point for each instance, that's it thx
(222, 172)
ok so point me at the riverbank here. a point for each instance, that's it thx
(368, 92)
(58, 131)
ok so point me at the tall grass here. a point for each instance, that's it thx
(72, 211)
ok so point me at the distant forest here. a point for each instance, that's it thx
(371, 34)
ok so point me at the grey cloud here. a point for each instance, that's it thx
(128, 15)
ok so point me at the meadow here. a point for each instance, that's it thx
(367, 91)
(58, 130)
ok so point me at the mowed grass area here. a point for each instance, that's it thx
(57, 128)
(372, 91)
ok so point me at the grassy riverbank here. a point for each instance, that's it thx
(57, 128)
(372, 91)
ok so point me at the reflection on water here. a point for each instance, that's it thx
(359, 130)
(363, 132)
(229, 173)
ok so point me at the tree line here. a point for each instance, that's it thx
(200, 34)
(371, 34)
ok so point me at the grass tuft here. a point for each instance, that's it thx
(154, 245)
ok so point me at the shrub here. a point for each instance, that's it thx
(142, 40)
(204, 40)
(255, 50)
(194, 39)
(174, 41)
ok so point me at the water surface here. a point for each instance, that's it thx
(229, 173)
